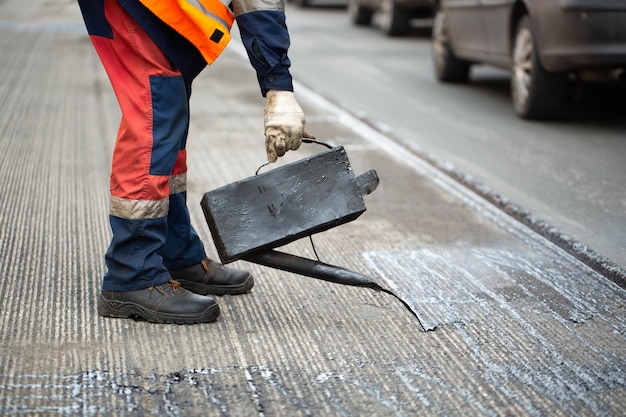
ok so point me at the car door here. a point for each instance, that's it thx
(496, 20)
(464, 26)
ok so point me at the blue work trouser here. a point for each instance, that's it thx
(148, 215)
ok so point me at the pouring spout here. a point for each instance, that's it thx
(320, 270)
(311, 268)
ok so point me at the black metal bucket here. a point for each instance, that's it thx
(251, 217)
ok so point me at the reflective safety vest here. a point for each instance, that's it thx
(204, 23)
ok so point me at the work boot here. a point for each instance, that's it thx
(210, 277)
(166, 303)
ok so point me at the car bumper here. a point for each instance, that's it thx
(416, 4)
(591, 35)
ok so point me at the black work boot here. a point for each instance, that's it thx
(166, 303)
(210, 277)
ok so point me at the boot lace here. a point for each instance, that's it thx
(171, 283)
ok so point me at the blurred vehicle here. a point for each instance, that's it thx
(545, 44)
(319, 3)
(395, 15)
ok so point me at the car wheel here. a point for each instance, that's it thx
(536, 93)
(394, 20)
(448, 67)
(359, 15)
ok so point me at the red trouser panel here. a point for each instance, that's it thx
(149, 218)
(131, 58)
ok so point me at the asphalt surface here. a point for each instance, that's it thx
(499, 320)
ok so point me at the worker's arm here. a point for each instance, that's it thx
(266, 39)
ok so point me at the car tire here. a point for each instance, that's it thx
(394, 20)
(535, 93)
(448, 68)
(359, 14)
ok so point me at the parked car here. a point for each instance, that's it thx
(319, 3)
(395, 15)
(545, 44)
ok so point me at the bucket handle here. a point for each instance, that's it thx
(305, 140)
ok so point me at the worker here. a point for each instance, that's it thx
(157, 268)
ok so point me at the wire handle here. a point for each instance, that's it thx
(313, 140)
(309, 139)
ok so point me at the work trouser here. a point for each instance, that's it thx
(148, 213)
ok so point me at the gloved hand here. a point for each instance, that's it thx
(284, 124)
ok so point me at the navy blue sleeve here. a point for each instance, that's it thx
(266, 39)
(95, 20)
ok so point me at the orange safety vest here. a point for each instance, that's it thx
(204, 23)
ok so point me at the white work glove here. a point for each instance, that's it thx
(284, 124)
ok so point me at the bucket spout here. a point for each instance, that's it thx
(310, 268)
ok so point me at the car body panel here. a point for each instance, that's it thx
(495, 18)
(407, 4)
(465, 24)
(570, 34)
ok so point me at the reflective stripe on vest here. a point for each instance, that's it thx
(204, 23)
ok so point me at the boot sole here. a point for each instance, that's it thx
(208, 289)
(125, 310)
